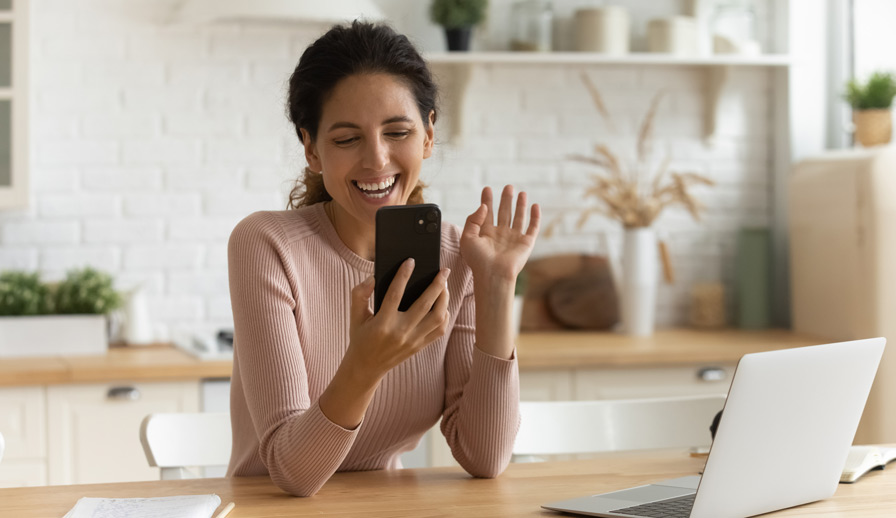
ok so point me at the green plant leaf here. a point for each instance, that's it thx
(458, 13)
(876, 93)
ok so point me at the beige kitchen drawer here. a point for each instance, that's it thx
(23, 473)
(648, 382)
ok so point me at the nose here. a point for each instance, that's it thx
(376, 155)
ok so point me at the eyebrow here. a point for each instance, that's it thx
(390, 120)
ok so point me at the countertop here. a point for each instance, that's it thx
(556, 350)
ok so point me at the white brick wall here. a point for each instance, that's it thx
(151, 140)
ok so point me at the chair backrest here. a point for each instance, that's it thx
(574, 427)
(174, 442)
(2, 446)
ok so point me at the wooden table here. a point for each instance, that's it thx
(445, 491)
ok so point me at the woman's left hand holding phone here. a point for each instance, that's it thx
(379, 342)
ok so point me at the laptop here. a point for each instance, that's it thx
(785, 432)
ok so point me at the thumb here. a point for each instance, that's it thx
(475, 221)
(360, 300)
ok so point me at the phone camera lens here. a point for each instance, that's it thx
(432, 227)
(432, 215)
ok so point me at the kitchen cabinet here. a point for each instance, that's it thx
(83, 433)
(14, 104)
(94, 428)
(76, 419)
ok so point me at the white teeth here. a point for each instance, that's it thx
(377, 186)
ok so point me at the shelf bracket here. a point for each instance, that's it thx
(717, 79)
(454, 81)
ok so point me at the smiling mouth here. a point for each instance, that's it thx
(376, 190)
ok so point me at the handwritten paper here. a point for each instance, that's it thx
(185, 506)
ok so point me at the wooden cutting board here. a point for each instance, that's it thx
(569, 291)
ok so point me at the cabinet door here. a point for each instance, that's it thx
(94, 430)
(13, 103)
(23, 423)
(546, 385)
(652, 382)
(23, 473)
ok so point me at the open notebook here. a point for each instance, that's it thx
(186, 506)
(862, 459)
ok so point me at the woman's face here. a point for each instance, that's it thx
(370, 145)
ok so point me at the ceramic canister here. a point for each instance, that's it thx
(602, 30)
(674, 35)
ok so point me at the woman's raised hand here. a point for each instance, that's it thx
(499, 249)
(381, 341)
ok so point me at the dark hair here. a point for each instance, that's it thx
(346, 50)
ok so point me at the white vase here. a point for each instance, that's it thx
(138, 325)
(640, 276)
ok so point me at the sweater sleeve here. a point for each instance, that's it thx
(481, 416)
(299, 446)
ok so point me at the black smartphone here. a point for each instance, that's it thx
(404, 231)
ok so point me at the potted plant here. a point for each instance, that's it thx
(871, 103)
(634, 193)
(38, 319)
(458, 18)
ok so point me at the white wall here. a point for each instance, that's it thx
(874, 36)
(150, 141)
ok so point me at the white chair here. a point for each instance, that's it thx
(577, 427)
(2, 447)
(176, 442)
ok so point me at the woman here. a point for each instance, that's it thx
(320, 383)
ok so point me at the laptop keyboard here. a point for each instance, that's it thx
(679, 507)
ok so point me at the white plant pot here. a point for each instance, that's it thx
(640, 276)
(53, 335)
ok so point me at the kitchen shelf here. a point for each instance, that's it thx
(457, 68)
(594, 58)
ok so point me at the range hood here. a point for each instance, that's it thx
(308, 11)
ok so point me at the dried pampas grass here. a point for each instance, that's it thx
(633, 196)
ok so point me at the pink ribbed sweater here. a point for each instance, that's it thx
(290, 284)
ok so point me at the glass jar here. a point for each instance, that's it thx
(530, 25)
(733, 28)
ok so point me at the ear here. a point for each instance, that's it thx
(311, 155)
(429, 138)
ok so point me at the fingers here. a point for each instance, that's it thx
(422, 306)
(520, 214)
(534, 221)
(360, 297)
(505, 210)
(435, 324)
(396, 288)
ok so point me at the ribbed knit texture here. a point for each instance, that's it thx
(290, 285)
